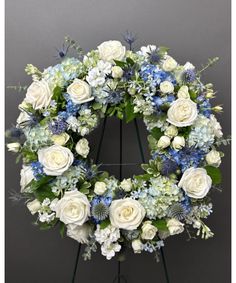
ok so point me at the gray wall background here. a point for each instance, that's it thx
(195, 30)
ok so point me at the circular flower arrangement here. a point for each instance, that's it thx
(63, 186)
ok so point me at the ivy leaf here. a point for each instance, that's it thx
(105, 223)
(156, 133)
(152, 143)
(129, 112)
(97, 106)
(160, 224)
(214, 173)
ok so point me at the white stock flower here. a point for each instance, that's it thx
(166, 87)
(169, 64)
(55, 159)
(126, 185)
(100, 188)
(111, 50)
(73, 208)
(79, 91)
(126, 213)
(163, 142)
(117, 72)
(109, 249)
(182, 112)
(137, 246)
(82, 147)
(175, 226)
(216, 126)
(178, 142)
(148, 231)
(38, 95)
(195, 182)
(213, 158)
(79, 233)
(61, 139)
(33, 206)
(171, 131)
(183, 92)
(13, 147)
(27, 176)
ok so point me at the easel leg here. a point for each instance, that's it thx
(76, 263)
(143, 160)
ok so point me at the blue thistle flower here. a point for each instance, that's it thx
(100, 208)
(114, 96)
(168, 167)
(189, 76)
(14, 133)
(58, 126)
(130, 38)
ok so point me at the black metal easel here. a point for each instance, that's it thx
(119, 276)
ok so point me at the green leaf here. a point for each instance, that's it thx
(144, 177)
(129, 112)
(152, 142)
(130, 61)
(105, 223)
(97, 106)
(215, 174)
(192, 94)
(160, 224)
(57, 94)
(156, 133)
(85, 185)
(62, 229)
(121, 64)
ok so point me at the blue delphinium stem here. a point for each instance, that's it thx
(76, 263)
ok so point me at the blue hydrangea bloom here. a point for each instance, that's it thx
(37, 168)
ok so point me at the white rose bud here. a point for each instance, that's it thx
(82, 147)
(100, 188)
(79, 233)
(34, 206)
(137, 246)
(171, 131)
(213, 158)
(117, 72)
(163, 142)
(169, 64)
(166, 87)
(111, 50)
(79, 91)
(148, 231)
(175, 226)
(195, 182)
(178, 142)
(61, 139)
(126, 185)
(13, 147)
(183, 92)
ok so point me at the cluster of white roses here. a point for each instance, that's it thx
(65, 103)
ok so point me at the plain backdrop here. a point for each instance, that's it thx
(194, 30)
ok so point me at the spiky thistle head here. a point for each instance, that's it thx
(100, 211)
(177, 211)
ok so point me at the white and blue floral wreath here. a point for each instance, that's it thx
(63, 186)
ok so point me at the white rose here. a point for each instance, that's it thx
(13, 147)
(126, 185)
(175, 226)
(166, 87)
(73, 208)
(163, 142)
(126, 213)
(178, 142)
(183, 92)
(61, 139)
(55, 159)
(216, 126)
(111, 50)
(137, 246)
(171, 131)
(195, 182)
(100, 188)
(117, 72)
(182, 112)
(213, 158)
(148, 231)
(82, 147)
(169, 64)
(79, 91)
(33, 206)
(22, 118)
(27, 176)
(38, 94)
(79, 233)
